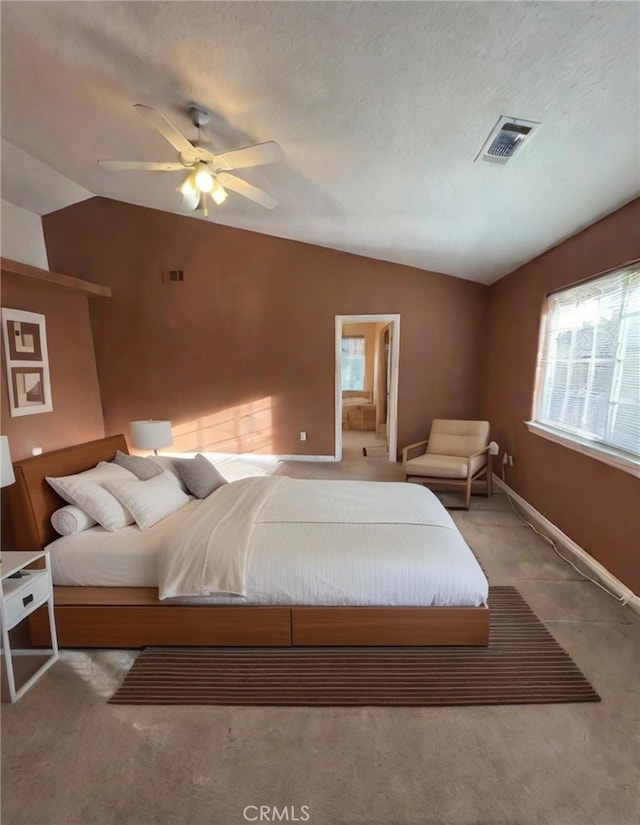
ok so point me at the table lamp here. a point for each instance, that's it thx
(151, 435)
(6, 467)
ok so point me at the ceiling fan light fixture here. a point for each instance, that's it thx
(218, 194)
(188, 186)
(204, 179)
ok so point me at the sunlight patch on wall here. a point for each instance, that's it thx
(245, 428)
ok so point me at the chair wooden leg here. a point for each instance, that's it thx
(468, 492)
(490, 477)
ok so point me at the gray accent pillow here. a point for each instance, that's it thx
(142, 468)
(201, 478)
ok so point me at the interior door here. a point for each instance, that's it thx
(387, 382)
(386, 367)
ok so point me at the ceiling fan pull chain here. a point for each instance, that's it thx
(205, 211)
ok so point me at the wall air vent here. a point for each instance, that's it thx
(507, 138)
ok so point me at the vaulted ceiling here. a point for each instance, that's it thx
(380, 108)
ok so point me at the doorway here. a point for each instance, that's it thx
(385, 383)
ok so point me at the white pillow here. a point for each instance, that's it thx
(71, 519)
(87, 491)
(149, 501)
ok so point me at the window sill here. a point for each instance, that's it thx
(607, 455)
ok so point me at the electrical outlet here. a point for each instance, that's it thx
(36, 451)
(505, 459)
(510, 461)
(303, 436)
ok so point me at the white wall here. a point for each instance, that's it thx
(22, 236)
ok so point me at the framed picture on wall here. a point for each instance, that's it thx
(27, 362)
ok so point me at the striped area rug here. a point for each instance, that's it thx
(523, 664)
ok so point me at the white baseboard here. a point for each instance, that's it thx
(304, 457)
(547, 527)
(257, 457)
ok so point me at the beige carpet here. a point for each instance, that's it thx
(523, 664)
(70, 758)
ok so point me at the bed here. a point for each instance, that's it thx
(119, 604)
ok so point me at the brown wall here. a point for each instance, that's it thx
(77, 411)
(240, 356)
(598, 506)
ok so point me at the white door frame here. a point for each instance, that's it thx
(392, 411)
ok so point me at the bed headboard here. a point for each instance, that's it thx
(32, 499)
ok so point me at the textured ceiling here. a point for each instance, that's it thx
(380, 108)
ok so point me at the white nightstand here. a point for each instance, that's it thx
(18, 598)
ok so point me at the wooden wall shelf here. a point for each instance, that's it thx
(57, 278)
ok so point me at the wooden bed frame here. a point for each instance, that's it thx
(121, 617)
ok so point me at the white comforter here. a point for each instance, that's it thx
(277, 540)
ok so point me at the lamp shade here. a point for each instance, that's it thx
(151, 435)
(6, 467)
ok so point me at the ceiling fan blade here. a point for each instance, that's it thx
(247, 189)
(117, 165)
(158, 121)
(256, 155)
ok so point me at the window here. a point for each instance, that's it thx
(588, 385)
(353, 362)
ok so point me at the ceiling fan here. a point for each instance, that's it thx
(208, 172)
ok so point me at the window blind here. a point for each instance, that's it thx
(589, 361)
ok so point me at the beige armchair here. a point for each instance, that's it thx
(456, 453)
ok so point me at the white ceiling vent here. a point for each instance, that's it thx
(507, 138)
